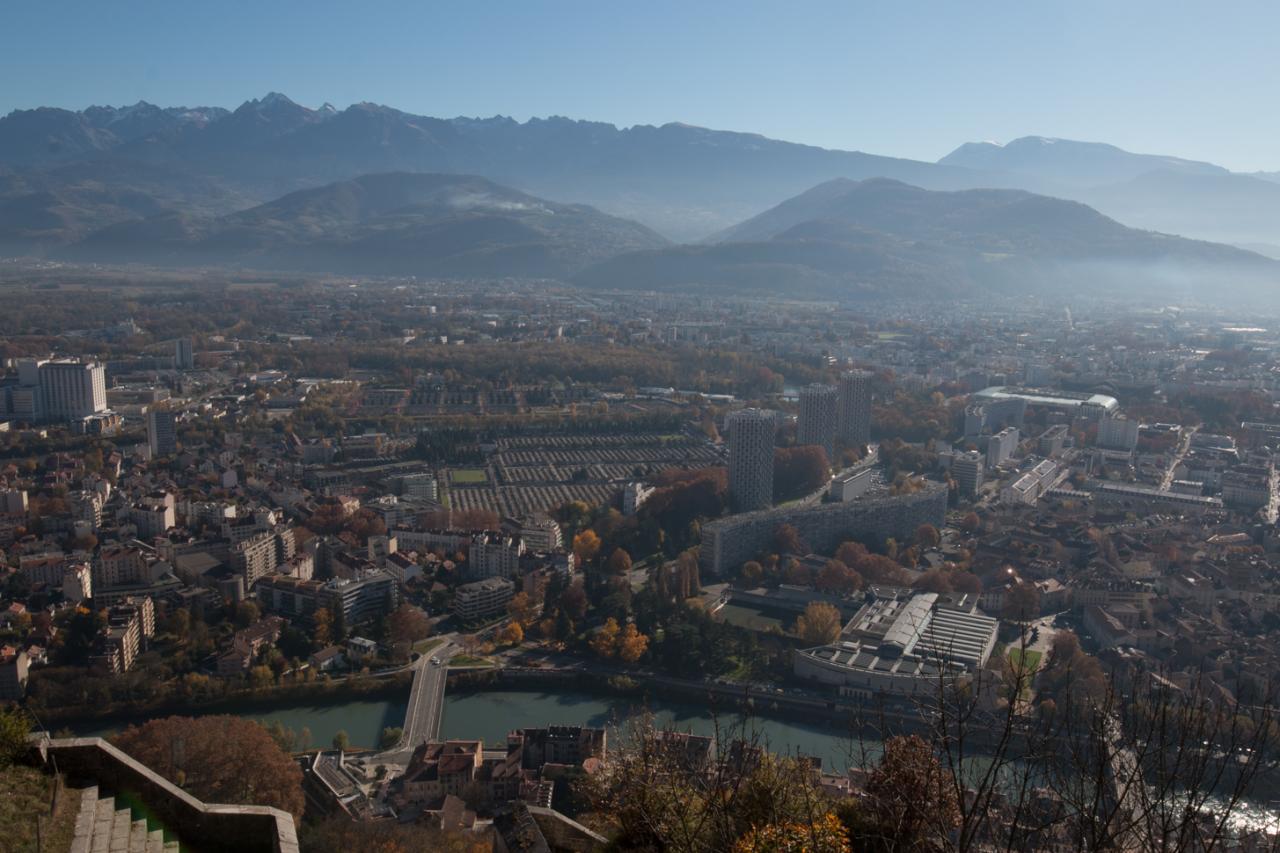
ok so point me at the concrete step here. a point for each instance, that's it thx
(82, 841)
(101, 827)
(104, 817)
(120, 828)
(138, 836)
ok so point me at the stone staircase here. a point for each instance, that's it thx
(101, 827)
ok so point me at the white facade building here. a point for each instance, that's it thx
(1117, 433)
(1000, 447)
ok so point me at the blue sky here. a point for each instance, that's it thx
(911, 79)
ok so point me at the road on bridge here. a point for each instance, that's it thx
(426, 702)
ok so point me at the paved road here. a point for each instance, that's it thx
(1273, 505)
(1126, 784)
(426, 702)
(1183, 447)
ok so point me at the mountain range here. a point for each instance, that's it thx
(445, 226)
(1160, 193)
(884, 237)
(374, 189)
(683, 181)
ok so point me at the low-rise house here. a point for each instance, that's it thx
(1106, 630)
(14, 664)
(328, 659)
(248, 643)
(360, 649)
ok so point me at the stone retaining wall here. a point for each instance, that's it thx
(199, 826)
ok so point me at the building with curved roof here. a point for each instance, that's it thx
(1084, 405)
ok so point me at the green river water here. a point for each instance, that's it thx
(490, 714)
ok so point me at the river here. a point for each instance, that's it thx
(490, 714)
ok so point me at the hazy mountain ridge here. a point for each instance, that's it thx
(67, 202)
(395, 223)
(883, 238)
(1157, 192)
(1068, 161)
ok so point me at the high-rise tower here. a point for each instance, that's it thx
(184, 357)
(751, 434)
(817, 421)
(162, 434)
(853, 420)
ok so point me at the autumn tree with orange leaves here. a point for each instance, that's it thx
(218, 759)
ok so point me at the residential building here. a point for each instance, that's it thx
(360, 649)
(816, 424)
(437, 770)
(569, 745)
(184, 357)
(1116, 432)
(634, 495)
(853, 407)
(86, 506)
(43, 569)
(968, 469)
(162, 433)
(1052, 441)
(328, 659)
(482, 599)
(258, 556)
(1028, 488)
(730, 541)
(852, 485)
(77, 583)
(493, 555)
(366, 597)
(247, 643)
(541, 533)
(994, 414)
(1001, 446)
(291, 596)
(13, 502)
(154, 514)
(121, 565)
(751, 437)
(130, 625)
(1257, 434)
(1105, 628)
(14, 664)
(1246, 487)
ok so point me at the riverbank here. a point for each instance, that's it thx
(318, 693)
(486, 704)
(490, 713)
(715, 697)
